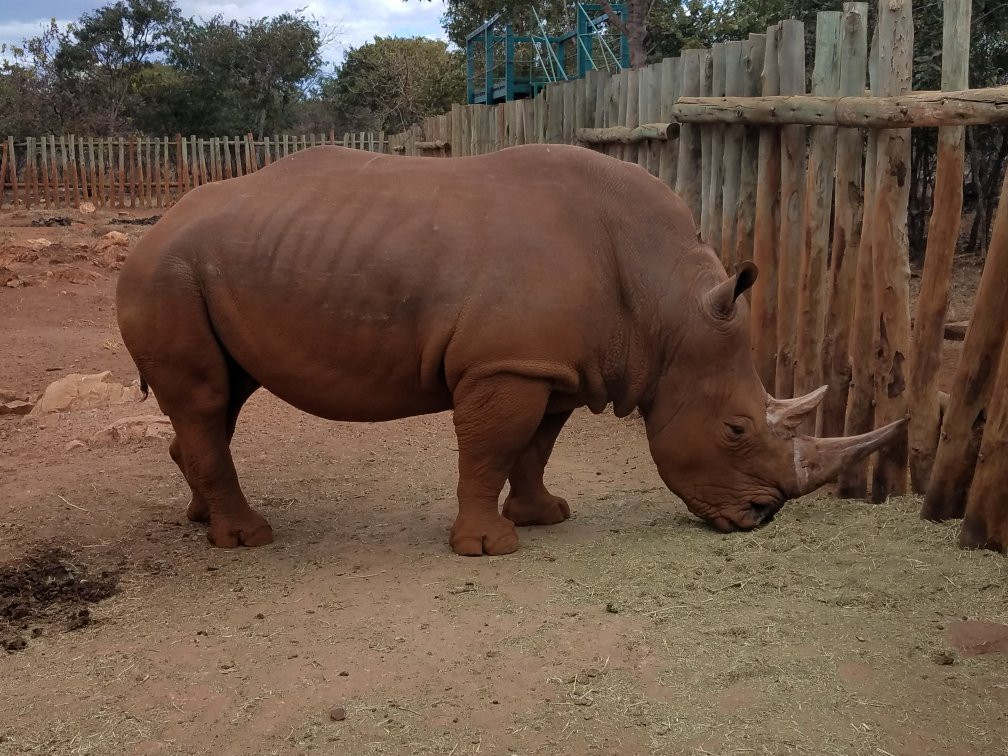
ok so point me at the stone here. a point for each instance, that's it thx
(77, 391)
(75, 444)
(338, 714)
(134, 429)
(113, 247)
(35, 245)
(87, 207)
(956, 331)
(15, 407)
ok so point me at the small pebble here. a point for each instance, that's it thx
(344, 673)
(338, 714)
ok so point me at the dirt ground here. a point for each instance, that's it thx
(841, 628)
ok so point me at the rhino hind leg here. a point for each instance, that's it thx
(495, 420)
(242, 386)
(528, 502)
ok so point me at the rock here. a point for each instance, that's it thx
(75, 444)
(133, 429)
(338, 714)
(113, 247)
(956, 331)
(10, 395)
(77, 391)
(36, 245)
(15, 407)
(87, 207)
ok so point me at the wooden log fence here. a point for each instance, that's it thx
(806, 184)
(145, 172)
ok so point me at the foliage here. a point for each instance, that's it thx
(394, 82)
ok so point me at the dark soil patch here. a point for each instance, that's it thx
(51, 221)
(49, 586)
(149, 220)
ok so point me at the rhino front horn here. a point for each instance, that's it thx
(722, 297)
(820, 460)
(784, 415)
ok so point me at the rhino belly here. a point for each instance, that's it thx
(340, 359)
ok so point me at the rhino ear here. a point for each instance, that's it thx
(722, 297)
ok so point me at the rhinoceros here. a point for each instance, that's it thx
(511, 288)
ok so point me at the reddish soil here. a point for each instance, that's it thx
(629, 629)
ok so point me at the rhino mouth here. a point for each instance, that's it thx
(754, 514)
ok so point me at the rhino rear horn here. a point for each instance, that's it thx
(722, 297)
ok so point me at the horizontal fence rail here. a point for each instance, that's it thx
(67, 171)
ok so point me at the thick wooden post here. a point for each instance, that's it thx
(715, 192)
(30, 189)
(892, 266)
(848, 198)
(706, 137)
(967, 412)
(791, 60)
(12, 163)
(852, 483)
(752, 63)
(943, 230)
(688, 170)
(671, 83)
(766, 231)
(4, 159)
(731, 167)
(816, 217)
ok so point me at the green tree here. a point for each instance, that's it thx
(394, 82)
(245, 76)
(105, 50)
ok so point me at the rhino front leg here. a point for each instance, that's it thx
(528, 502)
(495, 419)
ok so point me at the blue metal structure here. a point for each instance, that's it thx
(502, 65)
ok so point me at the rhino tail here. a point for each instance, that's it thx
(144, 388)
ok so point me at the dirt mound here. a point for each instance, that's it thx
(150, 220)
(49, 586)
(53, 220)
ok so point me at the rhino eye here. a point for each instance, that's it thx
(737, 431)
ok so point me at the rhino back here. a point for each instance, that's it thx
(337, 273)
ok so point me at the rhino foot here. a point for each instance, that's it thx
(535, 509)
(198, 511)
(492, 536)
(248, 529)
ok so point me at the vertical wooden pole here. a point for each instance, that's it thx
(986, 512)
(671, 82)
(74, 177)
(719, 60)
(44, 166)
(154, 169)
(891, 249)
(816, 217)
(745, 229)
(100, 172)
(706, 140)
(766, 232)
(12, 163)
(968, 410)
(569, 105)
(688, 168)
(180, 164)
(943, 231)
(791, 65)
(731, 167)
(852, 483)
(30, 192)
(81, 163)
(166, 173)
(848, 195)
(204, 168)
(4, 159)
(66, 172)
(134, 172)
(93, 168)
(631, 93)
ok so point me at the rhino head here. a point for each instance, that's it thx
(721, 443)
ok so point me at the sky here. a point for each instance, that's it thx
(356, 21)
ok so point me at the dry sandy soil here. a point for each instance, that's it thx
(841, 628)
